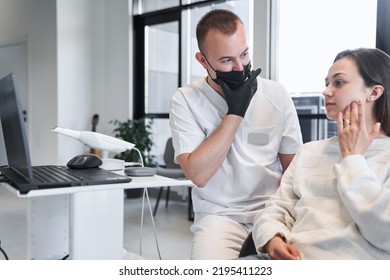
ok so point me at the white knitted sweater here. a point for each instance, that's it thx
(332, 208)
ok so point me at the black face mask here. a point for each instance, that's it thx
(233, 79)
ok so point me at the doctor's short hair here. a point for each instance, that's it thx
(224, 21)
(374, 67)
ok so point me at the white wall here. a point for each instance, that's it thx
(13, 42)
(75, 52)
(93, 67)
(42, 76)
(13, 19)
(119, 66)
(78, 65)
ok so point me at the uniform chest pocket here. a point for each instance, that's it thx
(261, 143)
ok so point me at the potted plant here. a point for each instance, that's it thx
(138, 132)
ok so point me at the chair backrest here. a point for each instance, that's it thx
(169, 155)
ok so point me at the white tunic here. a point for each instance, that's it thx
(251, 170)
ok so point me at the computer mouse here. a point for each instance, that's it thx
(85, 161)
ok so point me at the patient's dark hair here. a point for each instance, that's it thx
(224, 21)
(374, 67)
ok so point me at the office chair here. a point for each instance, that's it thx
(171, 170)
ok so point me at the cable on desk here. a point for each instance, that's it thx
(140, 156)
(4, 253)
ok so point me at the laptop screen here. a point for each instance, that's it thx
(14, 133)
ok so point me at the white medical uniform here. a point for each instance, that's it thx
(251, 171)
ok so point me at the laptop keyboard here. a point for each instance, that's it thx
(54, 174)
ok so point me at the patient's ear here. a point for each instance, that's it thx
(376, 92)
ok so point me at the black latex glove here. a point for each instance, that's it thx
(238, 99)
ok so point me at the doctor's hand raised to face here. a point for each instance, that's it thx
(238, 99)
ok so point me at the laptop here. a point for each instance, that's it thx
(19, 173)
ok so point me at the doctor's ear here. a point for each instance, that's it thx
(202, 60)
(376, 92)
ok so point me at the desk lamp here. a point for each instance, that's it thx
(102, 142)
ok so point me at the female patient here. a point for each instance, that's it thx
(334, 199)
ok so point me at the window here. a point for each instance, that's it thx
(162, 65)
(309, 34)
(383, 26)
(145, 6)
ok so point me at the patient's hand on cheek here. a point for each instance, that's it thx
(278, 249)
(354, 137)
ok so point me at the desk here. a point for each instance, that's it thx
(86, 222)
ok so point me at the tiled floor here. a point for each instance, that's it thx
(172, 225)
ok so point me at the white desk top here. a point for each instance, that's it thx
(155, 181)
